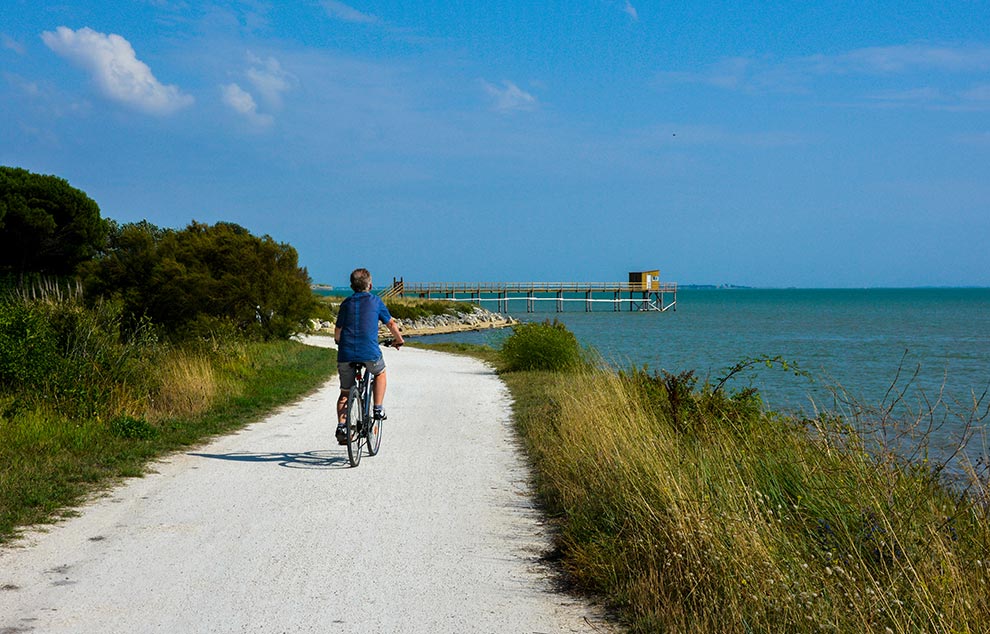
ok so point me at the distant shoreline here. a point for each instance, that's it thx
(478, 320)
(343, 290)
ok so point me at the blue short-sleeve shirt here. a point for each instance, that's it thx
(358, 320)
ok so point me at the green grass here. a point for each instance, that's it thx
(483, 353)
(689, 509)
(713, 515)
(50, 461)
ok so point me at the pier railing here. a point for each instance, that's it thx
(656, 296)
(538, 287)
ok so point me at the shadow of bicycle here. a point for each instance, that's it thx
(324, 459)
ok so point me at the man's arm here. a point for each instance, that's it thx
(336, 335)
(397, 336)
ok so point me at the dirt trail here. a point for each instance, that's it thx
(269, 530)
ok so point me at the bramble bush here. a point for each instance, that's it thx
(541, 346)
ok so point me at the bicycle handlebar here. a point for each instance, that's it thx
(389, 343)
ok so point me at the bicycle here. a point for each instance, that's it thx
(364, 430)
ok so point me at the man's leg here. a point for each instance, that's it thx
(378, 388)
(342, 417)
(341, 407)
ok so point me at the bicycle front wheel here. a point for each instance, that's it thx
(374, 435)
(354, 427)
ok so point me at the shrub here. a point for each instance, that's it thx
(69, 357)
(28, 344)
(132, 428)
(541, 346)
(222, 272)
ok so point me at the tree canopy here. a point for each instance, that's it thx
(202, 276)
(46, 225)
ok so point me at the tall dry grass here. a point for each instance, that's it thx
(187, 385)
(694, 511)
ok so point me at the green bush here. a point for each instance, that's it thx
(541, 346)
(221, 271)
(28, 344)
(132, 428)
(70, 357)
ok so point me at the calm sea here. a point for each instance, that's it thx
(859, 339)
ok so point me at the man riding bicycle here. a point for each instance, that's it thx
(356, 335)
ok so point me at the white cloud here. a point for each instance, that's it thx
(269, 79)
(244, 104)
(11, 44)
(981, 139)
(347, 13)
(26, 87)
(117, 71)
(683, 135)
(631, 10)
(980, 92)
(897, 71)
(509, 97)
(907, 58)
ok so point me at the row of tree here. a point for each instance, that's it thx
(199, 277)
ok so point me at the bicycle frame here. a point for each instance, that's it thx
(361, 438)
(366, 382)
(366, 432)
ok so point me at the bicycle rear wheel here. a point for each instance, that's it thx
(354, 427)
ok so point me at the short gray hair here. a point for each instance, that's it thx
(360, 280)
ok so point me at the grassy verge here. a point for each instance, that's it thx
(483, 353)
(688, 509)
(711, 515)
(50, 460)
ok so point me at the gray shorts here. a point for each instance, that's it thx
(346, 372)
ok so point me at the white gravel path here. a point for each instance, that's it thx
(269, 530)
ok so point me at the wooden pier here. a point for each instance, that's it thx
(640, 294)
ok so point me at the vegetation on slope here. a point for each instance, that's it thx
(692, 510)
(121, 342)
(84, 399)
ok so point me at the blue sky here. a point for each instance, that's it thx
(764, 144)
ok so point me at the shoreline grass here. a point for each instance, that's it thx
(687, 509)
(734, 519)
